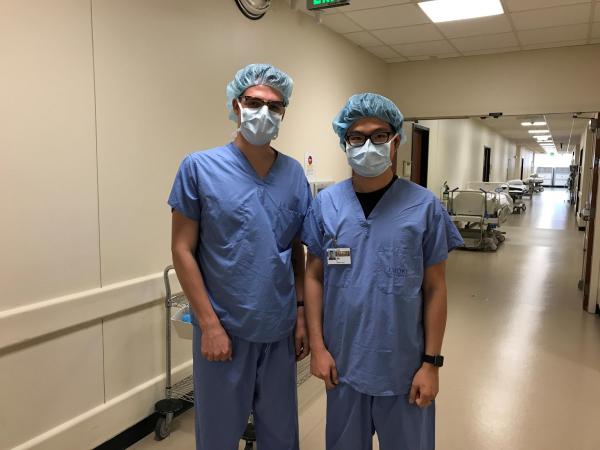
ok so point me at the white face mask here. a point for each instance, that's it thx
(369, 160)
(259, 126)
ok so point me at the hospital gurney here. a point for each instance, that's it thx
(517, 189)
(181, 394)
(535, 183)
(478, 214)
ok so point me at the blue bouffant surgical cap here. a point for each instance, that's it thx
(364, 105)
(255, 74)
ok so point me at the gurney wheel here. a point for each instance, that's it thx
(162, 428)
(524, 208)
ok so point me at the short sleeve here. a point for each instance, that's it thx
(185, 195)
(441, 236)
(312, 234)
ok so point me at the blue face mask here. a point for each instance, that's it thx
(259, 126)
(369, 160)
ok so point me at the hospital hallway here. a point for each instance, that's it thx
(522, 367)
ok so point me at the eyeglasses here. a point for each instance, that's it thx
(355, 139)
(257, 103)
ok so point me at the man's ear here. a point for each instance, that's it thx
(236, 106)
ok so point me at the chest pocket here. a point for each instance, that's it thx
(286, 226)
(399, 271)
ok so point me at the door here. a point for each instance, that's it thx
(487, 157)
(522, 167)
(590, 228)
(420, 155)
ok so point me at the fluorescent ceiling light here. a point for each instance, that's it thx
(533, 124)
(543, 138)
(539, 124)
(448, 10)
(538, 131)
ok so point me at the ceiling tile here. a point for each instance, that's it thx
(448, 55)
(418, 58)
(556, 34)
(475, 27)
(595, 41)
(407, 35)
(551, 17)
(383, 51)
(491, 51)
(596, 30)
(503, 40)
(425, 48)
(396, 60)
(522, 5)
(340, 23)
(597, 12)
(364, 39)
(389, 17)
(554, 44)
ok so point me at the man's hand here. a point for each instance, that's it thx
(301, 336)
(216, 344)
(425, 386)
(322, 365)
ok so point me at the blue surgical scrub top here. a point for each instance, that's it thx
(373, 308)
(246, 227)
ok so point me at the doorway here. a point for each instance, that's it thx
(487, 156)
(419, 155)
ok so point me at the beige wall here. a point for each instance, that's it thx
(456, 152)
(528, 156)
(81, 323)
(537, 81)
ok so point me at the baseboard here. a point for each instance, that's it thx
(100, 424)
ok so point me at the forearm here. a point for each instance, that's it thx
(190, 278)
(313, 300)
(299, 265)
(435, 313)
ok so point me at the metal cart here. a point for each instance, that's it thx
(181, 393)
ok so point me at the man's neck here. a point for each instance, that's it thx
(370, 184)
(261, 157)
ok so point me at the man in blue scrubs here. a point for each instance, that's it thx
(237, 214)
(375, 289)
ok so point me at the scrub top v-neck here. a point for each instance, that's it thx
(372, 307)
(246, 227)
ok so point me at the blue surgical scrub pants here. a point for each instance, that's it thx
(261, 378)
(353, 418)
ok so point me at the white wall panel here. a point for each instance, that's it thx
(134, 343)
(49, 381)
(49, 227)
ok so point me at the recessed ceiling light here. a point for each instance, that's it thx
(539, 124)
(538, 131)
(533, 124)
(448, 10)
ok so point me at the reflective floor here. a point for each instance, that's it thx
(522, 358)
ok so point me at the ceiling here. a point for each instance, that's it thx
(559, 125)
(398, 31)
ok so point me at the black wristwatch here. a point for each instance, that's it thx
(300, 304)
(437, 360)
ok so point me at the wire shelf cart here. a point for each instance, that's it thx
(181, 393)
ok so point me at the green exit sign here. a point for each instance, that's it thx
(313, 5)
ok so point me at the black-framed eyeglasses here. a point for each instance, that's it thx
(257, 103)
(356, 139)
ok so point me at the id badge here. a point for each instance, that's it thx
(339, 256)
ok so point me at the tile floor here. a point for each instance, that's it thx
(522, 358)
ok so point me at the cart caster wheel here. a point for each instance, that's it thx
(524, 208)
(162, 428)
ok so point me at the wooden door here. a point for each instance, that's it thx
(420, 155)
